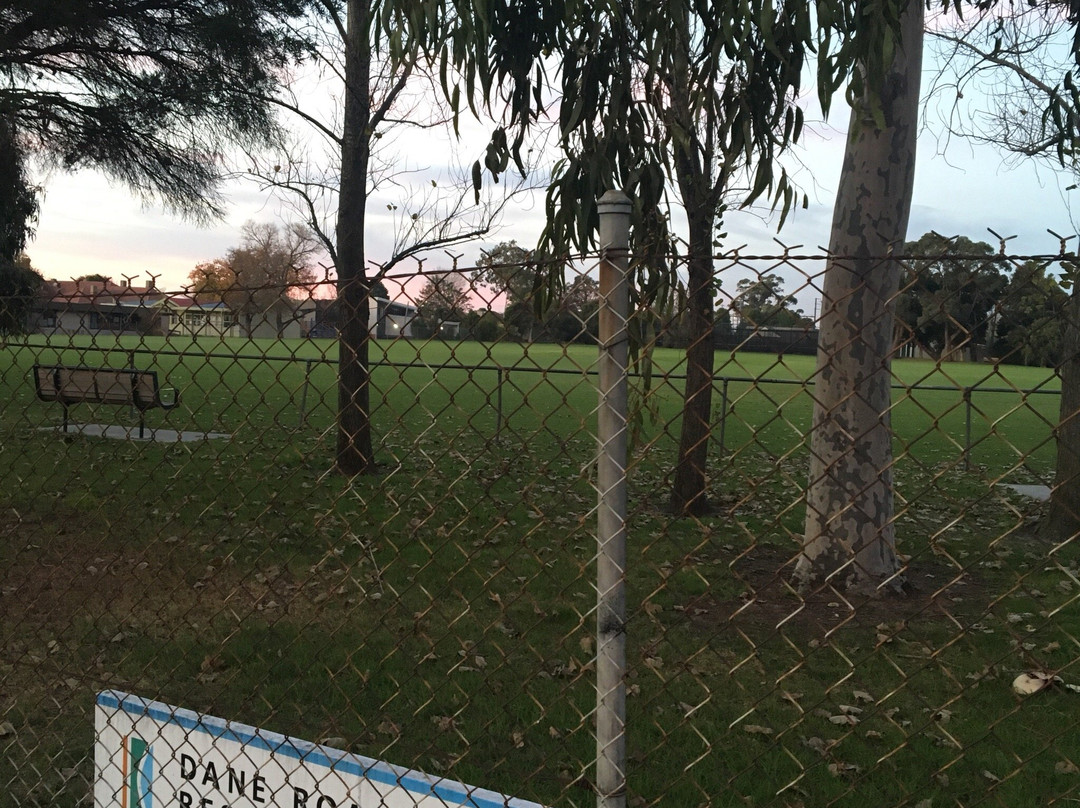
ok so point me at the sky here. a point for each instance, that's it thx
(88, 225)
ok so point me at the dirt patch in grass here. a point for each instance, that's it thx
(770, 602)
(58, 575)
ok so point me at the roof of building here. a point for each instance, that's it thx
(189, 302)
(102, 293)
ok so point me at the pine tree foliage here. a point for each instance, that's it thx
(151, 92)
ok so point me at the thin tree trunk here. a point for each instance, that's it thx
(695, 166)
(688, 490)
(849, 536)
(1063, 519)
(355, 454)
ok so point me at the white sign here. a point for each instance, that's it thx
(151, 755)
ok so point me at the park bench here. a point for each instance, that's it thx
(89, 385)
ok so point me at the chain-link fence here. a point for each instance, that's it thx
(177, 531)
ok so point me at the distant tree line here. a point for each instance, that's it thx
(270, 270)
(446, 310)
(462, 305)
(960, 300)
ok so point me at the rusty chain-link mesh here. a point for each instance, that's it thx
(439, 614)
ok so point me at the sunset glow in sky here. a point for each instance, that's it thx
(87, 226)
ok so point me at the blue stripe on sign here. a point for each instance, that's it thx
(337, 760)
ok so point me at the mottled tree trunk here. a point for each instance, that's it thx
(1063, 518)
(355, 454)
(849, 535)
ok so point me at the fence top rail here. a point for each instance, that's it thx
(500, 368)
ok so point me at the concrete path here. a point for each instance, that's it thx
(119, 432)
(1039, 492)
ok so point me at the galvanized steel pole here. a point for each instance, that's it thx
(614, 209)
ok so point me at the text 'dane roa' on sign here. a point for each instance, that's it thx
(151, 755)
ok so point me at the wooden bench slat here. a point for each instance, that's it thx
(145, 389)
(114, 388)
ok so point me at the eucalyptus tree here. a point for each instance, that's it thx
(1007, 81)
(627, 121)
(441, 305)
(508, 270)
(761, 302)
(679, 100)
(1028, 318)
(849, 537)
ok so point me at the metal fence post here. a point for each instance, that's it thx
(499, 402)
(723, 415)
(614, 209)
(131, 366)
(967, 429)
(303, 395)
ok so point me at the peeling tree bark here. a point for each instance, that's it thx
(849, 537)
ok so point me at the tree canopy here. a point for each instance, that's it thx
(949, 293)
(151, 92)
(761, 302)
(270, 264)
(508, 270)
(442, 305)
(686, 99)
(1029, 317)
(19, 287)
(18, 199)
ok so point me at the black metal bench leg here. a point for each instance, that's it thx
(65, 418)
(142, 424)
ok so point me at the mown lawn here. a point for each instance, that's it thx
(438, 615)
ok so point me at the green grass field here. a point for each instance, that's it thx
(438, 615)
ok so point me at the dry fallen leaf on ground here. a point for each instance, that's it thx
(818, 745)
(757, 729)
(841, 769)
(1031, 682)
